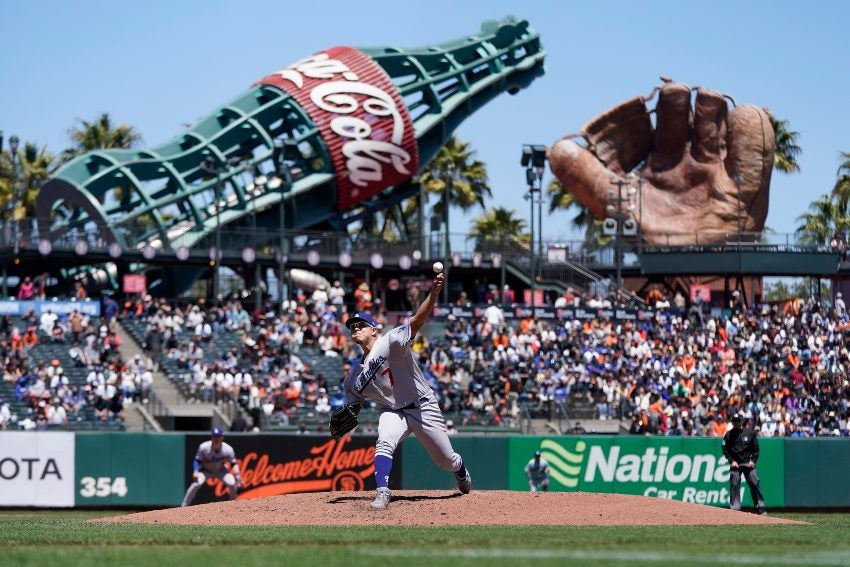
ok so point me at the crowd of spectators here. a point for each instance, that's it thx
(681, 370)
(42, 384)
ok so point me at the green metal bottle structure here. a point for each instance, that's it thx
(349, 125)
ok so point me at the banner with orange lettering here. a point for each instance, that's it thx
(284, 464)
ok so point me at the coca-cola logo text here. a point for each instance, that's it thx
(361, 116)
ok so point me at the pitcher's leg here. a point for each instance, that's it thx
(428, 425)
(392, 430)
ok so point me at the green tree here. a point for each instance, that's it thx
(21, 180)
(498, 229)
(803, 288)
(786, 150)
(842, 184)
(826, 217)
(454, 172)
(99, 134)
(830, 215)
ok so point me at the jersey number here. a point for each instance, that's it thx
(389, 373)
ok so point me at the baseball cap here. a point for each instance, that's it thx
(536, 453)
(737, 416)
(362, 317)
(217, 432)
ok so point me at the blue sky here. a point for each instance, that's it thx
(158, 65)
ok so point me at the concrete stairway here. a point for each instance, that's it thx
(166, 399)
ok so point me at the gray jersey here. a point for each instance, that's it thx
(537, 470)
(372, 379)
(213, 461)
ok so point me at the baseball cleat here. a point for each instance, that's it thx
(465, 484)
(382, 500)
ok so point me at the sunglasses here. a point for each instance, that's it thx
(357, 326)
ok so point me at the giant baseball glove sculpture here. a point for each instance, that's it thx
(689, 160)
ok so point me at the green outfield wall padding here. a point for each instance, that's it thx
(127, 469)
(486, 458)
(816, 473)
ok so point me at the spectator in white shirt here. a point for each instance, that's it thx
(5, 415)
(323, 402)
(56, 414)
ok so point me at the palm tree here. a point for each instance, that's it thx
(100, 134)
(827, 217)
(786, 150)
(498, 229)
(842, 185)
(20, 185)
(454, 176)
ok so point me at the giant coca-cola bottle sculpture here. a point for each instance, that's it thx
(352, 123)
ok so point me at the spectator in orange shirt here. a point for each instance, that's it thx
(30, 338)
(794, 360)
(717, 427)
(688, 362)
(363, 297)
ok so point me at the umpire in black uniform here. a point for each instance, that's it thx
(741, 448)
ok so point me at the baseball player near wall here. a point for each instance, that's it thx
(389, 375)
(537, 471)
(210, 461)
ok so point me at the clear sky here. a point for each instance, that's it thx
(160, 64)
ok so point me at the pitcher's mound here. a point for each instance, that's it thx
(438, 508)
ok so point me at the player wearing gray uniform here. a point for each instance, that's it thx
(537, 471)
(389, 375)
(210, 462)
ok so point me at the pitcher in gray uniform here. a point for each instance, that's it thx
(210, 461)
(389, 375)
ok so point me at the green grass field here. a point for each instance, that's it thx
(63, 538)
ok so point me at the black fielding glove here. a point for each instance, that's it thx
(344, 420)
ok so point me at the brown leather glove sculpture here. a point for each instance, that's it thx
(689, 162)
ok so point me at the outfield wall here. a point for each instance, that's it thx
(117, 469)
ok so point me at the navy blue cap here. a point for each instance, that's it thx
(536, 453)
(217, 432)
(362, 317)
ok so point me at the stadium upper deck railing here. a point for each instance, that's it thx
(24, 235)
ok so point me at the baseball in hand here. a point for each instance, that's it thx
(438, 267)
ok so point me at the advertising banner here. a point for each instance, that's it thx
(37, 469)
(128, 469)
(135, 283)
(274, 465)
(21, 308)
(684, 468)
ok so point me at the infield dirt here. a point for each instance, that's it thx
(434, 507)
